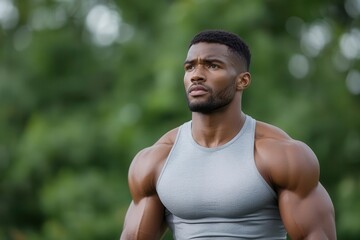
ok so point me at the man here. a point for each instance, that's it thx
(224, 175)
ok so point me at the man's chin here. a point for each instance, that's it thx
(208, 107)
(200, 108)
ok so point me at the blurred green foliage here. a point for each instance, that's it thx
(84, 85)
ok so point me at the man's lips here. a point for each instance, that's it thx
(197, 90)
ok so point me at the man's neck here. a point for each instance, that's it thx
(217, 128)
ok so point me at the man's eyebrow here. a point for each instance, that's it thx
(189, 61)
(205, 60)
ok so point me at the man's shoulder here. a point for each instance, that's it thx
(158, 150)
(265, 131)
(168, 139)
(284, 158)
(273, 141)
(271, 138)
(147, 164)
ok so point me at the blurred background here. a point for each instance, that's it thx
(86, 84)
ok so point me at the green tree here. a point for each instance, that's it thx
(84, 85)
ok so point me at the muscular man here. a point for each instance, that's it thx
(224, 175)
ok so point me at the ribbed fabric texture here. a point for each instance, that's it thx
(218, 193)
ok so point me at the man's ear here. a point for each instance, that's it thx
(243, 81)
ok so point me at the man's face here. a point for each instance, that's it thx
(210, 77)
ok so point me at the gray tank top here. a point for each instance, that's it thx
(218, 193)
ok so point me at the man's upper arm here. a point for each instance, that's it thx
(145, 216)
(305, 206)
(144, 220)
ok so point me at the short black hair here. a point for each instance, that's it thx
(231, 40)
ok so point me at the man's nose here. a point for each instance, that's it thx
(198, 74)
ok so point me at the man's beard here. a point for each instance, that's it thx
(214, 102)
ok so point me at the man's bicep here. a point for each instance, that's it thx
(308, 217)
(145, 216)
(144, 219)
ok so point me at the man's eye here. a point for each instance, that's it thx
(213, 66)
(189, 67)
